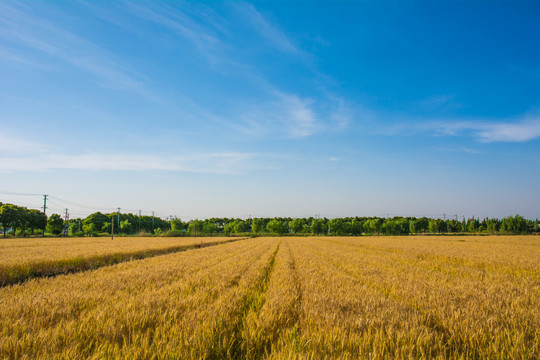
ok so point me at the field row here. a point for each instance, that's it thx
(288, 298)
(22, 259)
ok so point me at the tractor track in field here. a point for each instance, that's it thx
(251, 302)
(298, 288)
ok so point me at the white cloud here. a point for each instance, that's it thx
(460, 149)
(38, 34)
(297, 116)
(289, 115)
(524, 130)
(511, 132)
(219, 163)
(286, 116)
(199, 33)
(266, 29)
(275, 112)
(14, 145)
(434, 102)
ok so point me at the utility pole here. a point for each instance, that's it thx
(139, 221)
(44, 209)
(118, 221)
(152, 222)
(112, 227)
(45, 204)
(66, 224)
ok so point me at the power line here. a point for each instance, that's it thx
(81, 205)
(19, 194)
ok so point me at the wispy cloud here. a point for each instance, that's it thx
(291, 115)
(200, 31)
(270, 32)
(275, 111)
(23, 28)
(296, 115)
(434, 102)
(201, 34)
(285, 116)
(13, 145)
(21, 61)
(20, 154)
(216, 163)
(460, 149)
(519, 131)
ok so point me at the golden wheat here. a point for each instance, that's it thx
(26, 258)
(290, 298)
(178, 305)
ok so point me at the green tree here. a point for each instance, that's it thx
(373, 226)
(195, 227)
(210, 228)
(388, 227)
(492, 226)
(38, 220)
(55, 224)
(9, 217)
(454, 226)
(441, 225)
(516, 225)
(240, 227)
(296, 225)
(422, 224)
(433, 226)
(105, 228)
(336, 226)
(90, 229)
(177, 225)
(356, 227)
(318, 226)
(276, 226)
(229, 228)
(98, 219)
(412, 226)
(257, 226)
(75, 227)
(125, 227)
(472, 225)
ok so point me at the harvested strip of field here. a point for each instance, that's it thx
(183, 305)
(22, 259)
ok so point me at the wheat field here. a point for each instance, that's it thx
(29, 257)
(460, 297)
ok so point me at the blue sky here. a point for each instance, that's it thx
(237, 109)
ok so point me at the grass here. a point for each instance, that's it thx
(290, 298)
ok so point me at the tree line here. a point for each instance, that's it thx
(18, 220)
(21, 220)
